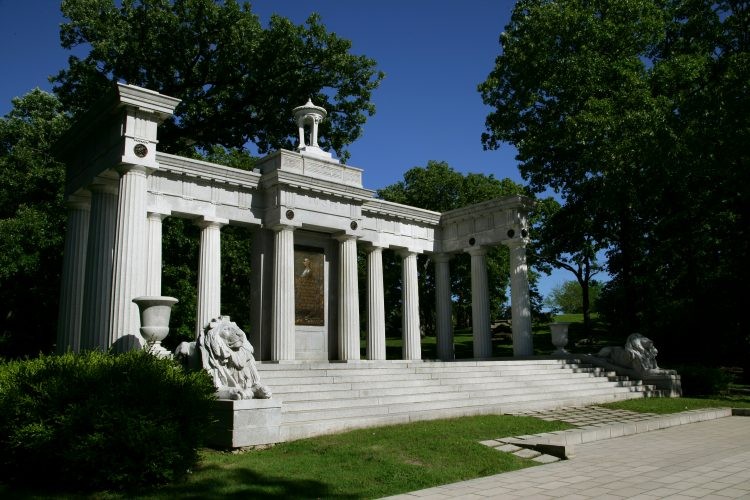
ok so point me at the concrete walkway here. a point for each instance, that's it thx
(708, 459)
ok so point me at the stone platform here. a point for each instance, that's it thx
(323, 398)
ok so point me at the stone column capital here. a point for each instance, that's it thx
(374, 247)
(476, 251)
(277, 228)
(102, 186)
(208, 221)
(158, 216)
(516, 243)
(405, 252)
(78, 202)
(342, 237)
(441, 258)
(132, 168)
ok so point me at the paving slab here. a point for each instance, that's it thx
(705, 459)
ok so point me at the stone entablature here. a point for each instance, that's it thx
(490, 223)
(192, 188)
(391, 225)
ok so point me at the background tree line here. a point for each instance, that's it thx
(637, 114)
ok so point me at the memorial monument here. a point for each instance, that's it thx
(309, 214)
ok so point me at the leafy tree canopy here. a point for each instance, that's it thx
(238, 81)
(568, 297)
(638, 113)
(31, 221)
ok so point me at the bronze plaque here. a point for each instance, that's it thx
(309, 285)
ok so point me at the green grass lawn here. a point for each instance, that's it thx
(366, 463)
(674, 405)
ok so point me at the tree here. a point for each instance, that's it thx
(571, 92)
(568, 297)
(32, 221)
(238, 81)
(636, 113)
(566, 238)
(440, 188)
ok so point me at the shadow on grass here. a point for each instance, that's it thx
(216, 482)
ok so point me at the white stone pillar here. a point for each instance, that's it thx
(282, 305)
(97, 288)
(410, 321)
(154, 253)
(523, 344)
(208, 305)
(443, 307)
(73, 276)
(129, 262)
(375, 304)
(348, 299)
(480, 304)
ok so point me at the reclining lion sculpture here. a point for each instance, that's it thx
(223, 350)
(639, 354)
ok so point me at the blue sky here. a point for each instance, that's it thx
(434, 54)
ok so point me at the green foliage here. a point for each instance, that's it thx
(238, 81)
(32, 221)
(98, 421)
(701, 380)
(637, 114)
(568, 297)
(440, 188)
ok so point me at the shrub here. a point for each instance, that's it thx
(97, 421)
(699, 380)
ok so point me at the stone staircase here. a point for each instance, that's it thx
(322, 398)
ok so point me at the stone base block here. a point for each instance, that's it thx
(248, 422)
(668, 383)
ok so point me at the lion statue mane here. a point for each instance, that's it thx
(223, 350)
(639, 354)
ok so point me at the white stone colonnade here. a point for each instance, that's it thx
(120, 189)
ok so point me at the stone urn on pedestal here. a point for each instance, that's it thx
(559, 337)
(155, 312)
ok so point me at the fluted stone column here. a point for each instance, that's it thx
(410, 321)
(129, 263)
(73, 277)
(97, 288)
(443, 307)
(523, 344)
(208, 305)
(282, 302)
(348, 299)
(480, 304)
(154, 253)
(375, 304)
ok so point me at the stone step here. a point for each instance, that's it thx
(320, 398)
(303, 429)
(351, 399)
(434, 372)
(454, 400)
